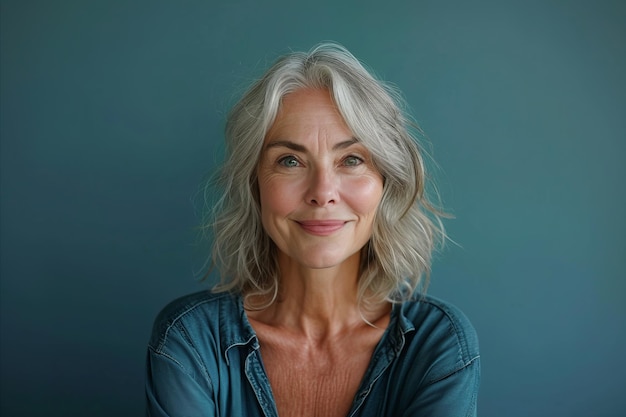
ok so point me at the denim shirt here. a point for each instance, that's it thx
(204, 360)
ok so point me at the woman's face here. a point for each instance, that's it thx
(319, 190)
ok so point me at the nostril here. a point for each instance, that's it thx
(321, 203)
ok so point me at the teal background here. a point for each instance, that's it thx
(112, 113)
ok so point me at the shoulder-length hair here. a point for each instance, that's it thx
(396, 260)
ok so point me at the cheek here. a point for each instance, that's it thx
(277, 199)
(364, 193)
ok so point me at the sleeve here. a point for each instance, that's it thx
(443, 368)
(176, 386)
(172, 391)
(452, 396)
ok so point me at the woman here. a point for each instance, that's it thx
(322, 237)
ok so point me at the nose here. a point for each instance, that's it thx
(322, 188)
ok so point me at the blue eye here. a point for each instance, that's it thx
(288, 161)
(352, 161)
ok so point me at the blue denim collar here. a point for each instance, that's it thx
(242, 335)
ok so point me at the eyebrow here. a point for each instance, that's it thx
(300, 148)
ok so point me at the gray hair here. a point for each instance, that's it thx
(407, 228)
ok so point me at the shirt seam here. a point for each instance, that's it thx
(181, 366)
(459, 334)
(174, 322)
(449, 374)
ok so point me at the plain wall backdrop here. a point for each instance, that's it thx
(112, 114)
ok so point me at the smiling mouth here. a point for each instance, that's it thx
(321, 227)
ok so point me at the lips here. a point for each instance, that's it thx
(321, 227)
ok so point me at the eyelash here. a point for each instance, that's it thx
(283, 161)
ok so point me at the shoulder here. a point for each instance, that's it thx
(202, 309)
(440, 330)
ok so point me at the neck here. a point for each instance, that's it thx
(319, 303)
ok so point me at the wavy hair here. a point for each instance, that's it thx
(397, 259)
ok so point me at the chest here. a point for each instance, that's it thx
(314, 382)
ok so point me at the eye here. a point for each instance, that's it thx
(352, 161)
(289, 161)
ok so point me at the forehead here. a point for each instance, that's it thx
(305, 109)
